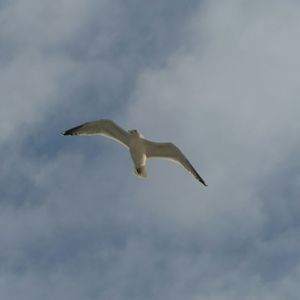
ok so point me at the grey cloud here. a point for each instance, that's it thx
(230, 96)
(214, 78)
(80, 50)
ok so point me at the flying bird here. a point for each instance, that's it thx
(140, 148)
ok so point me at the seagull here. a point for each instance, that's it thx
(140, 148)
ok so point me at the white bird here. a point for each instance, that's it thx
(140, 149)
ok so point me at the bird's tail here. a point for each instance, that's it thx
(140, 171)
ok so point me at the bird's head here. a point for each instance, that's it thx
(135, 132)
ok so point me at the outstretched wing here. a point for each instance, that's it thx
(103, 127)
(170, 151)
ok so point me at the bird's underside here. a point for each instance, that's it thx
(140, 148)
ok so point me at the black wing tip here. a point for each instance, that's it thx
(198, 177)
(68, 132)
(203, 182)
(201, 179)
(72, 131)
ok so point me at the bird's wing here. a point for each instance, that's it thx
(103, 127)
(170, 151)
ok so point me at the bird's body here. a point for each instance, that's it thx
(137, 151)
(140, 148)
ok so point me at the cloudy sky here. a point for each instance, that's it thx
(218, 78)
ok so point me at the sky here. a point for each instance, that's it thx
(220, 79)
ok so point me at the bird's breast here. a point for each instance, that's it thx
(137, 151)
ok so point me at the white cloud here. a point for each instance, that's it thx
(46, 54)
(30, 73)
(228, 96)
(229, 99)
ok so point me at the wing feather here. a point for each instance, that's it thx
(103, 127)
(170, 151)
